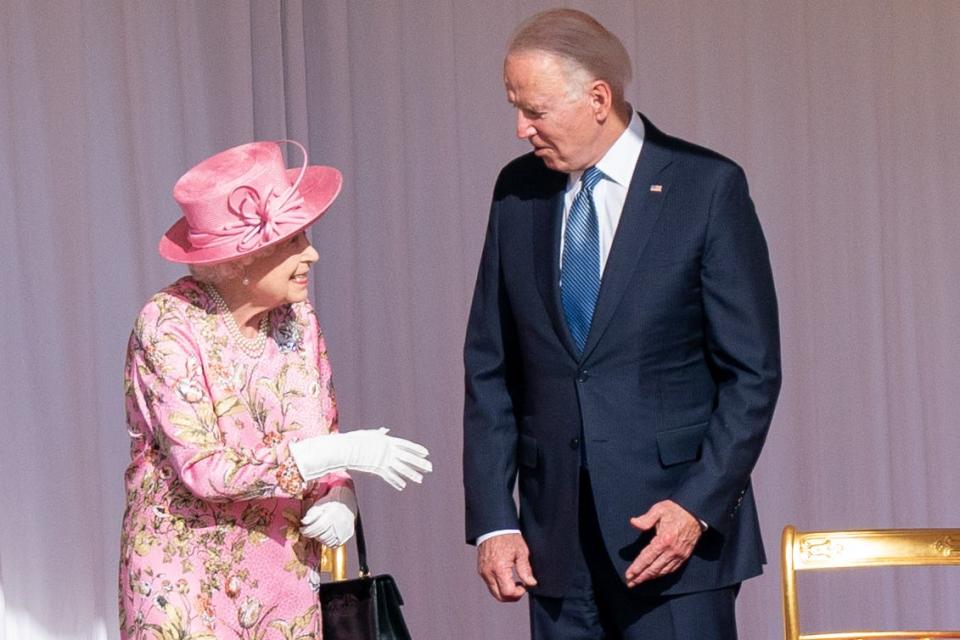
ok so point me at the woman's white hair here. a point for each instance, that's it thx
(583, 44)
(229, 270)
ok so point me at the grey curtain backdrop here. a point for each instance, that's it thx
(842, 113)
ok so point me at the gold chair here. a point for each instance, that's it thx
(334, 562)
(816, 550)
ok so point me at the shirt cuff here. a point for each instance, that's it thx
(493, 534)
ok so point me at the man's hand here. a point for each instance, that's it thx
(677, 533)
(503, 562)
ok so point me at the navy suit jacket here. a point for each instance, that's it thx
(674, 390)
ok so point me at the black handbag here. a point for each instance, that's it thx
(365, 608)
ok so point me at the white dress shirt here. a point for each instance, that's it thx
(617, 165)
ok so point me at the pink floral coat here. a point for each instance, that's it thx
(210, 546)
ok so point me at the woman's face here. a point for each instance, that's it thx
(281, 277)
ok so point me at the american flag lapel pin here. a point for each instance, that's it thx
(656, 188)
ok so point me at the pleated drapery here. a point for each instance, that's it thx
(842, 115)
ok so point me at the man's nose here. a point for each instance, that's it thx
(525, 128)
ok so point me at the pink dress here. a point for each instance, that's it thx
(210, 546)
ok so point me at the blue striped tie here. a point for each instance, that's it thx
(580, 272)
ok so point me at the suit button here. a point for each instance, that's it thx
(574, 443)
(583, 376)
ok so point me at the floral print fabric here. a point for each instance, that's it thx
(210, 544)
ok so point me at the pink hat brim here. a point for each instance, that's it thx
(320, 187)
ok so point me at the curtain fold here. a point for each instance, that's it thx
(842, 114)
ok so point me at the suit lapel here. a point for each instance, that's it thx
(548, 214)
(640, 212)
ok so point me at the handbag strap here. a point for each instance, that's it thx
(361, 547)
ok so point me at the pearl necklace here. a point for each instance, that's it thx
(251, 347)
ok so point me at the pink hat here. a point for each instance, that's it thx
(244, 199)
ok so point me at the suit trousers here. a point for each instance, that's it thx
(599, 605)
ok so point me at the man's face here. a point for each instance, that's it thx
(553, 112)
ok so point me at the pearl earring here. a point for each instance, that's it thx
(245, 281)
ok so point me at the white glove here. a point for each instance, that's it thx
(330, 519)
(372, 451)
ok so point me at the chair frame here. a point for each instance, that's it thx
(334, 562)
(819, 550)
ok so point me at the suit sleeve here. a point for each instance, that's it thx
(489, 423)
(743, 347)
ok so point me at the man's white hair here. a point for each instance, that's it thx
(582, 44)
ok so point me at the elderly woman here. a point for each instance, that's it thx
(238, 472)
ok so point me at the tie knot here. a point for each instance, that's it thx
(590, 178)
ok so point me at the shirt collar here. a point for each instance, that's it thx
(620, 160)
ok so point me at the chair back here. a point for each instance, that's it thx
(819, 550)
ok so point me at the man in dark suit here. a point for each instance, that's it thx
(622, 359)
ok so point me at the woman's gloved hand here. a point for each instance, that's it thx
(368, 450)
(331, 518)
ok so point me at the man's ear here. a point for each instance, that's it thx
(601, 100)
